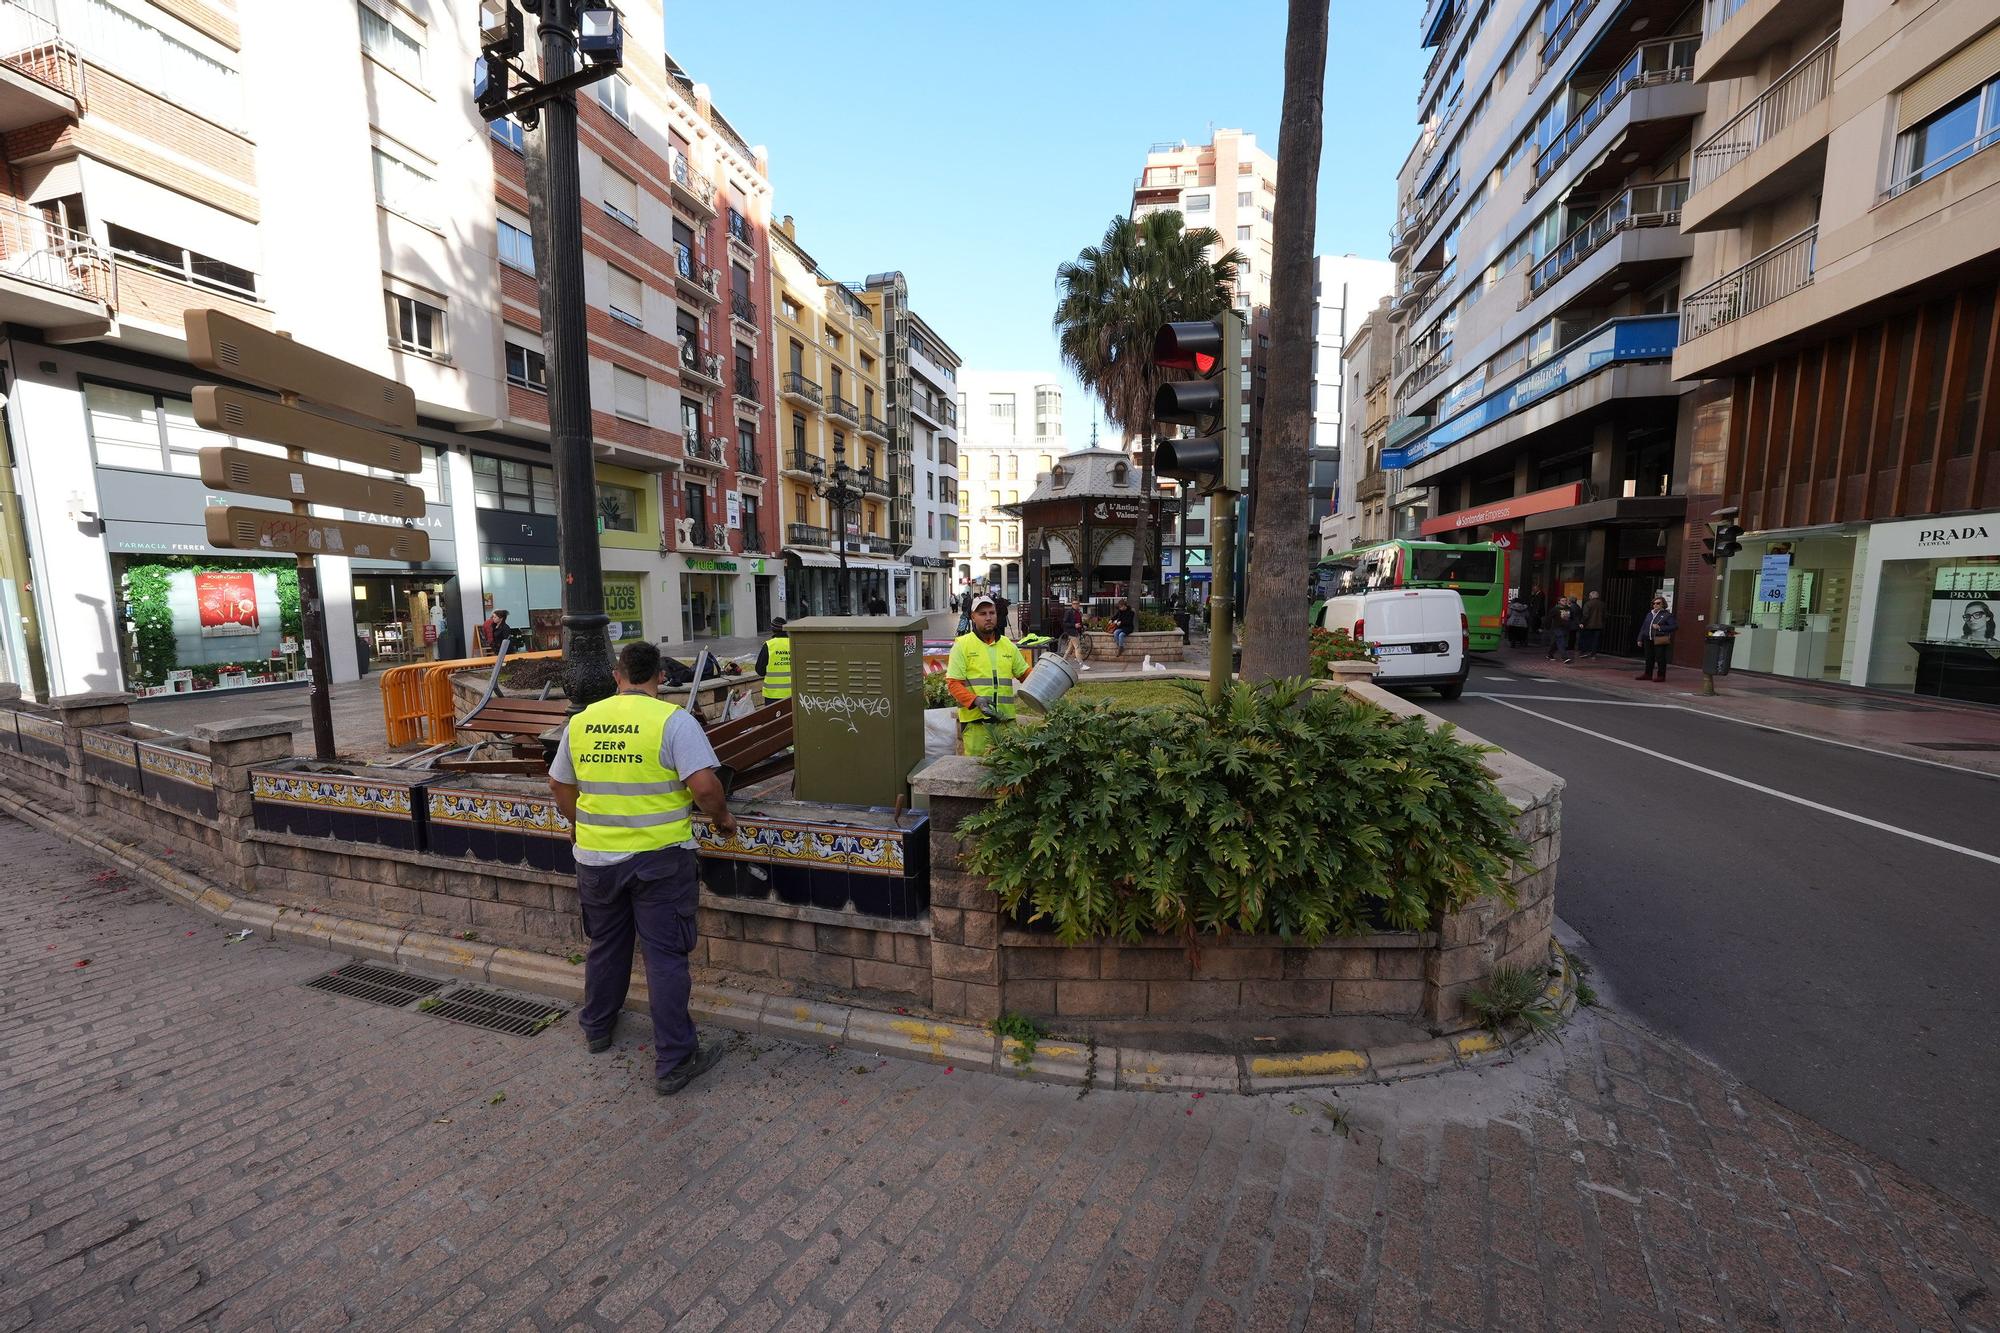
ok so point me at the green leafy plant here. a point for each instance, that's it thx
(1144, 622)
(1337, 645)
(1282, 810)
(936, 693)
(1513, 995)
(150, 614)
(1025, 1031)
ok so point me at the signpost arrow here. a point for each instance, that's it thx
(246, 473)
(245, 529)
(237, 413)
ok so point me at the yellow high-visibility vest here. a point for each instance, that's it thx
(778, 668)
(627, 799)
(989, 669)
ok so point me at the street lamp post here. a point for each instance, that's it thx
(839, 491)
(547, 102)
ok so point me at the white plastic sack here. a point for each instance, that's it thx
(940, 731)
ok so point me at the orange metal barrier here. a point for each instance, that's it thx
(417, 706)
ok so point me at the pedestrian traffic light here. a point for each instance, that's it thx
(1723, 534)
(1207, 349)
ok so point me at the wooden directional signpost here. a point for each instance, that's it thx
(300, 375)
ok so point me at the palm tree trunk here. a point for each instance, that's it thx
(1275, 638)
(1142, 535)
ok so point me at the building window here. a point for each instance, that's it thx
(690, 420)
(510, 132)
(993, 468)
(1000, 412)
(617, 508)
(833, 340)
(621, 197)
(151, 432)
(1948, 136)
(149, 58)
(502, 483)
(389, 45)
(746, 449)
(404, 188)
(1197, 203)
(526, 367)
(628, 298)
(696, 498)
(1244, 199)
(753, 534)
(179, 262)
(615, 96)
(791, 308)
(417, 326)
(517, 247)
(798, 433)
(628, 394)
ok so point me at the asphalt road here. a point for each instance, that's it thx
(1850, 970)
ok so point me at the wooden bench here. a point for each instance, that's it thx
(753, 747)
(747, 749)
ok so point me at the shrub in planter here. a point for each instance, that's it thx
(1337, 645)
(1281, 810)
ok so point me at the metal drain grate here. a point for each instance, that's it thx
(495, 1011)
(376, 985)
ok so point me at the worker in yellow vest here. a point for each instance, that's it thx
(628, 775)
(980, 674)
(774, 663)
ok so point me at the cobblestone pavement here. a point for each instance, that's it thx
(191, 1139)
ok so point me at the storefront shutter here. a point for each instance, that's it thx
(1967, 68)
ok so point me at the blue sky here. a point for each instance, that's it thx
(976, 146)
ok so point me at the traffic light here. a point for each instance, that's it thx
(1207, 349)
(1723, 536)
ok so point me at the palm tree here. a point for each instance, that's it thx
(1275, 641)
(1113, 299)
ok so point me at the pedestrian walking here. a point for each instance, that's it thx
(1564, 618)
(1593, 623)
(1516, 623)
(1069, 631)
(965, 610)
(1656, 638)
(1004, 609)
(628, 774)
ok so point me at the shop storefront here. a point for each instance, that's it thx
(1930, 595)
(189, 623)
(401, 618)
(1791, 598)
(519, 573)
(708, 599)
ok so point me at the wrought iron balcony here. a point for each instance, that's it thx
(701, 365)
(800, 460)
(800, 389)
(691, 187)
(1668, 60)
(710, 450)
(1785, 268)
(1799, 89)
(748, 465)
(739, 230)
(874, 425)
(743, 310)
(843, 408)
(1655, 205)
(807, 534)
(698, 280)
(872, 484)
(746, 386)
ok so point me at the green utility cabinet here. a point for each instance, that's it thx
(857, 707)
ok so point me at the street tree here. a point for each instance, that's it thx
(1275, 638)
(1113, 298)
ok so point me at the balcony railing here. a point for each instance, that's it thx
(32, 45)
(1796, 91)
(692, 273)
(806, 534)
(742, 309)
(869, 543)
(871, 483)
(753, 537)
(874, 425)
(1655, 205)
(739, 228)
(798, 386)
(1783, 269)
(1668, 60)
(843, 408)
(699, 188)
(36, 250)
(706, 366)
(800, 460)
(1429, 370)
(712, 449)
(1434, 208)
(1553, 44)
(748, 465)
(746, 386)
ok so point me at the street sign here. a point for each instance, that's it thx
(234, 347)
(234, 527)
(246, 473)
(237, 413)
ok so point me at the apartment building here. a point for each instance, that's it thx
(1540, 265)
(1840, 324)
(1229, 184)
(920, 371)
(1010, 433)
(833, 398)
(157, 160)
(1362, 514)
(1346, 289)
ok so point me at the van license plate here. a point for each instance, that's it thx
(1392, 649)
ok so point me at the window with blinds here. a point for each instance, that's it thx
(621, 197)
(628, 394)
(628, 298)
(1947, 115)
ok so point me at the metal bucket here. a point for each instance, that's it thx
(1048, 682)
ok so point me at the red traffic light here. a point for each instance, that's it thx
(1194, 345)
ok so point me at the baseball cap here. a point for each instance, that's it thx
(983, 600)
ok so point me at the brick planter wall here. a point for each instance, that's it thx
(1160, 645)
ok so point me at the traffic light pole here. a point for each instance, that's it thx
(554, 198)
(1718, 521)
(1222, 510)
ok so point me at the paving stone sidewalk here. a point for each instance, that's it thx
(191, 1139)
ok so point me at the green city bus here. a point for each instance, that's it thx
(1478, 572)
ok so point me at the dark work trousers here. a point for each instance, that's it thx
(1657, 657)
(652, 895)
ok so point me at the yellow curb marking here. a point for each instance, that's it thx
(1319, 1062)
(1477, 1043)
(931, 1036)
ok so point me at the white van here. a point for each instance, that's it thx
(1420, 635)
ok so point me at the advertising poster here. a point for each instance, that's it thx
(1965, 606)
(227, 603)
(1771, 578)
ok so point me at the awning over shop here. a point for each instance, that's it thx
(1506, 511)
(1640, 511)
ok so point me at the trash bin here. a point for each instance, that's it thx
(1715, 651)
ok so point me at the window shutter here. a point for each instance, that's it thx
(621, 193)
(1967, 68)
(628, 393)
(627, 293)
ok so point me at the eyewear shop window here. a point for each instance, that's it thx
(1791, 602)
